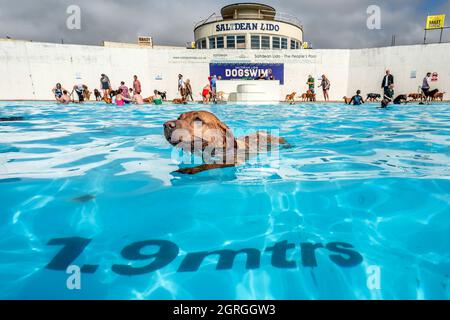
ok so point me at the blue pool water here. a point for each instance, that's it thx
(375, 180)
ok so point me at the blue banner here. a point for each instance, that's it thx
(248, 71)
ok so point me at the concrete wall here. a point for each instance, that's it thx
(30, 70)
(367, 67)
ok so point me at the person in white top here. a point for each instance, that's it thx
(181, 86)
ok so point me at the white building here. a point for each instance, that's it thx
(249, 26)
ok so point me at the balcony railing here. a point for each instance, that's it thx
(279, 16)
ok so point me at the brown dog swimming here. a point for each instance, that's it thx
(202, 133)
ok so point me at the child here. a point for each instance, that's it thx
(137, 99)
(357, 99)
(58, 91)
(206, 93)
(388, 96)
(157, 100)
(120, 99)
(65, 98)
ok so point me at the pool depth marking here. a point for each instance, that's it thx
(340, 253)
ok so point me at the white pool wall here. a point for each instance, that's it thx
(29, 70)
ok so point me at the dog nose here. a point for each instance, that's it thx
(169, 124)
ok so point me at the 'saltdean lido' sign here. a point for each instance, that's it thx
(247, 26)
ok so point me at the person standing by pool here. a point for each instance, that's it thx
(137, 85)
(213, 88)
(357, 99)
(325, 87)
(181, 86)
(206, 94)
(79, 89)
(311, 84)
(426, 84)
(189, 90)
(387, 81)
(105, 84)
(58, 91)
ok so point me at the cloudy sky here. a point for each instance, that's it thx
(327, 23)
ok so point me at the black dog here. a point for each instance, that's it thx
(429, 95)
(97, 94)
(373, 97)
(114, 93)
(401, 99)
(163, 95)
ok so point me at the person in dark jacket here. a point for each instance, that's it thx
(388, 80)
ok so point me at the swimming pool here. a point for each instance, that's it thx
(356, 208)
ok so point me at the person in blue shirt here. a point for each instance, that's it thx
(357, 99)
(214, 88)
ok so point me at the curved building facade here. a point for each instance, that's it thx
(249, 26)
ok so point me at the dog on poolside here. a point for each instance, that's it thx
(439, 96)
(308, 96)
(373, 97)
(347, 100)
(220, 96)
(304, 97)
(163, 95)
(311, 96)
(290, 98)
(86, 93)
(97, 94)
(415, 96)
(429, 95)
(203, 134)
(179, 101)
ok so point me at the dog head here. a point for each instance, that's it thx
(199, 130)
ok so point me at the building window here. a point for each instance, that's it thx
(212, 43)
(240, 40)
(256, 42)
(295, 44)
(231, 42)
(220, 43)
(275, 43)
(203, 44)
(284, 43)
(265, 42)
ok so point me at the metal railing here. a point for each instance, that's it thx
(279, 16)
